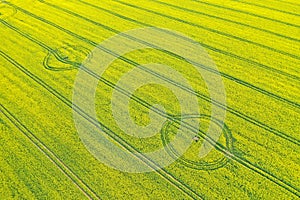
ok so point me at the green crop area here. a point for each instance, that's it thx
(49, 137)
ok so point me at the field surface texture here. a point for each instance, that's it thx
(150, 99)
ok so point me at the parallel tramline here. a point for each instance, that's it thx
(257, 153)
(277, 132)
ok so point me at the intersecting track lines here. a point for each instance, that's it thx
(107, 82)
(179, 184)
(235, 112)
(163, 173)
(270, 179)
(229, 54)
(227, 76)
(115, 31)
(80, 184)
